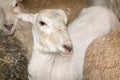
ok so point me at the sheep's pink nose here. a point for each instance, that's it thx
(8, 26)
(68, 48)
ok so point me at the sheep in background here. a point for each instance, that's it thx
(13, 63)
(10, 24)
(92, 23)
(113, 5)
(7, 10)
(50, 35)
(102, 59)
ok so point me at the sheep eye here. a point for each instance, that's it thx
(16, 5)
(42, 23)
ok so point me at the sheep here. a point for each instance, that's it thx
(10, 25)
(54, 62)
(102, 60)
(92, 22)
(13, 63)
(51, 40)
(113, 5)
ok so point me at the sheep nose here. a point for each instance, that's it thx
(68, 48)
(8, 26)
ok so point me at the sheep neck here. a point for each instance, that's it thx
(39, 65)
(47, 64)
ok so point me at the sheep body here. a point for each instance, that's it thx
(102, 58)
(113, 5)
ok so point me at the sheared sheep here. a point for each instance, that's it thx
(113, 5)
(52, 42)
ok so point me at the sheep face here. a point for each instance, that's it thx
(50, 31)
(7, 18)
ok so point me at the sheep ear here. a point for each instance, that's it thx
(26, 17)
(59, 13)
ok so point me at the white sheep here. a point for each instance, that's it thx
(52, 42)
(113, 5)
(10, 24)
(8, 21)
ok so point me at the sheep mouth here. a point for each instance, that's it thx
(65, 53)
(8, 31)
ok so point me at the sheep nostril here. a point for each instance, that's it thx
(67, 48)
(8, 26)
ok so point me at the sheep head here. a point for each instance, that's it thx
(8, 20)
(49, 30)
